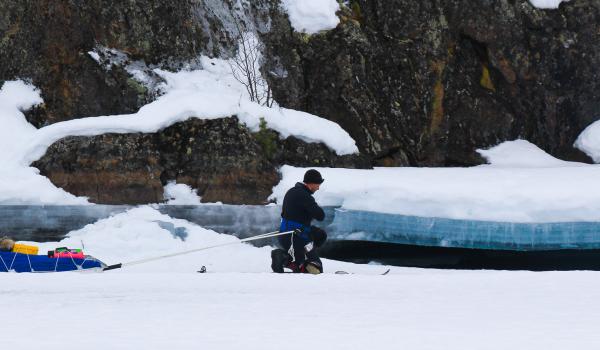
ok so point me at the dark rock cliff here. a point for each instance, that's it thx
(421, 83)
(425, 83)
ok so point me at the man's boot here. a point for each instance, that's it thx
(279, 259)
(312, 269)
(313, 264)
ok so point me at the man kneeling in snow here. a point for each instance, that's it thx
(299, 209)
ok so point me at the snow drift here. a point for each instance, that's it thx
(144, 232)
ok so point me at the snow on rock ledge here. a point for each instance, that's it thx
(312, 16)
(522, 154)
(547, 4)
(208, 93)
(22, 184)
(19, 95)
(589, 141)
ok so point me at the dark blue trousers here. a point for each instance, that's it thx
(316, 236)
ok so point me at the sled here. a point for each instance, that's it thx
(18, 262)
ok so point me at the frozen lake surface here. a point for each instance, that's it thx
(410, 309)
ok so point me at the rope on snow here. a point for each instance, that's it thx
(143, 261)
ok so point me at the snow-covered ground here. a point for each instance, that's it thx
(238, 303)
(408, 309)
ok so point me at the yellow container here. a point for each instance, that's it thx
(25, 249)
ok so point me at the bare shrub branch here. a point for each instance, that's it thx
(245, 67)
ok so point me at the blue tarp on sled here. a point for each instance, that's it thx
(16, 262)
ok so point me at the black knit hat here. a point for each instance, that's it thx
(313, 177)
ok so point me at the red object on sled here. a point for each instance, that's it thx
(78, 255)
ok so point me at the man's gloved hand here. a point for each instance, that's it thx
(318, 236)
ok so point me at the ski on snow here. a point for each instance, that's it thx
(339, 272)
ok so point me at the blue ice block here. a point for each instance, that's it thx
(430, 231)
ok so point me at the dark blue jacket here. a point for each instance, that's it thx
(300, 206)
